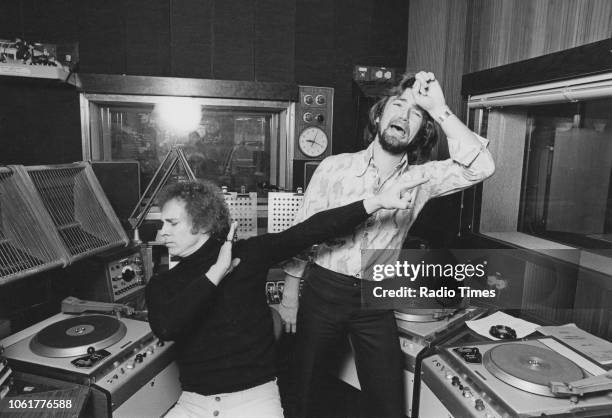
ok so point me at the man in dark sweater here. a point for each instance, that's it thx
(213, 304)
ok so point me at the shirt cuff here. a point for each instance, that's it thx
(466, 154)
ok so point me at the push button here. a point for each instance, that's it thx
(217, 398)
(216, 413)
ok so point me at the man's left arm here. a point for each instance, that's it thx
(470, 162)
(331, 223)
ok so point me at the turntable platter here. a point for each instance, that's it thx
(530, 368)
(73, 336)
(424, 315)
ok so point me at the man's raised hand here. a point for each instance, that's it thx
(224, 264)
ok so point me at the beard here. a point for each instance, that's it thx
(395, 141)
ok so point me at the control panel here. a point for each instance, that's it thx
(452, 389)
(126, 275)
(313, 123)
(116, 275)
(141, 364)
(370, 73)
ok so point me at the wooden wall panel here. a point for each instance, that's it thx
(436, 42)
(505, 31)
(274, 46)
(39, 122)
(355, 38)
(41, 18)
(387, 30)
(147, 37)
(234, 33)
(501, 193)
(191, 38)
(426, 47)
(11, 21)
(315, 42)
(311, 42)
(452, 37)
(454, 56)
(333, 36)
(101, 39)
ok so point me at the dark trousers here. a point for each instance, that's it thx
(330, 309)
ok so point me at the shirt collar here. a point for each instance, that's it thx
(367, 158)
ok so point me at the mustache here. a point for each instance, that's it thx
(389, 144)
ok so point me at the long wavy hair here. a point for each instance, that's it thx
(204, 204)
(420, 149)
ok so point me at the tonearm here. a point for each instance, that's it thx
(72, 305)
(581, 387)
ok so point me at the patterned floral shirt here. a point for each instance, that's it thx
(345, 178)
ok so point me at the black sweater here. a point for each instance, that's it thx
(224, 334)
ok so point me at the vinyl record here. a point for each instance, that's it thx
(530, 368)
(73, 336)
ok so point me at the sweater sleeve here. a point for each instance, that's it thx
(175, 300)
(273, 248)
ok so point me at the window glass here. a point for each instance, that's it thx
(231, 147)
(566, 192)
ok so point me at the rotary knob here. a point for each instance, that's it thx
(308, 99)
(128, 275)
(479, 405)
(320, 99)
(308, 117)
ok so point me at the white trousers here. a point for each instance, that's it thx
(261, 401)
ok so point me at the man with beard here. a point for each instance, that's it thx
(403, 132)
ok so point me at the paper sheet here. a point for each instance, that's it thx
(482, 326)
(589, 345)
(580, 361)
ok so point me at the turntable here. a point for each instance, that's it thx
(129, 371)
(538, 377)
(74, 336)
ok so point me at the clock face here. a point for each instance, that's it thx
(313, 142)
